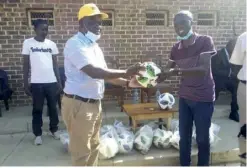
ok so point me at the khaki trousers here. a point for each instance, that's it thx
(83, 122)
(242, 113)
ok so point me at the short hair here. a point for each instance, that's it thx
(186, 13)
(38, 22)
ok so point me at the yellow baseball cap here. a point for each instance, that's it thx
(90, 10)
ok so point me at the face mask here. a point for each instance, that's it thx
(187, 36)
(91, 36)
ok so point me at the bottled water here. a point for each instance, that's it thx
(135, 96)
(157, 94)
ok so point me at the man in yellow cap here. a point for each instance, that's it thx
(86, 70)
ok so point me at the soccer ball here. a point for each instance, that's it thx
(166, 101)
(149, 76)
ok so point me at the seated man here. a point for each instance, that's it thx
(223, 78)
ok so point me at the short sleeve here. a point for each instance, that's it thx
(208, 46)
(76, 54)
(25, 48)
(238, 53)
(55, 49)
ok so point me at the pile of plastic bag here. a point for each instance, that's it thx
(213, 134)
(118, 138)
(144, 139)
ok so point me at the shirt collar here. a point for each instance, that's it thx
(180, 45)
(82, 37)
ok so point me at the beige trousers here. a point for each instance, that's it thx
(83, 122)
(242, 113)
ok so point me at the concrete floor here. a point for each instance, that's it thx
(17, 149)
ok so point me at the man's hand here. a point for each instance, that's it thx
(27, 89)
(59, 88)
(135, 70)
(133, 83)
(164, 75)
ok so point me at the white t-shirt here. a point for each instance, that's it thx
(239, 55)
(41, 59)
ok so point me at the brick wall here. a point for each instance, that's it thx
(127, 40)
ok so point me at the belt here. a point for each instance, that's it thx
(244, 82)
(86, 100)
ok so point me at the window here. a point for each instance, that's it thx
(207, 18)
(156, 18)
(110, 20)
(46, 14)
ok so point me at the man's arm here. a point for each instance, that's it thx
(56, 70)
(26, 67)
(166, 73)
(201, 70)
(204, 63)
(119, 81)
(103, 73)
(83, 61)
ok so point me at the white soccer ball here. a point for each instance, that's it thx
(166, 101)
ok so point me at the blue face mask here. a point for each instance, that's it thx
(91, 36)
(187, 35)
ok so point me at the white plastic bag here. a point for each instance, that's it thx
(153, 125)
(108, 128)
(144, 139)
(162, 138)
(64, 138)
(213, 134)
(175, 139)
(125, 137)
(174, 125)
(108, 146)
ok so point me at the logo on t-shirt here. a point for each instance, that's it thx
(36, 49)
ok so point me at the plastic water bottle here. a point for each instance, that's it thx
(157, 95)
(135, 96)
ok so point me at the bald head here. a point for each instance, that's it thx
(185, 14)
(183, 22)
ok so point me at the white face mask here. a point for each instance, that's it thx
(93, 37)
